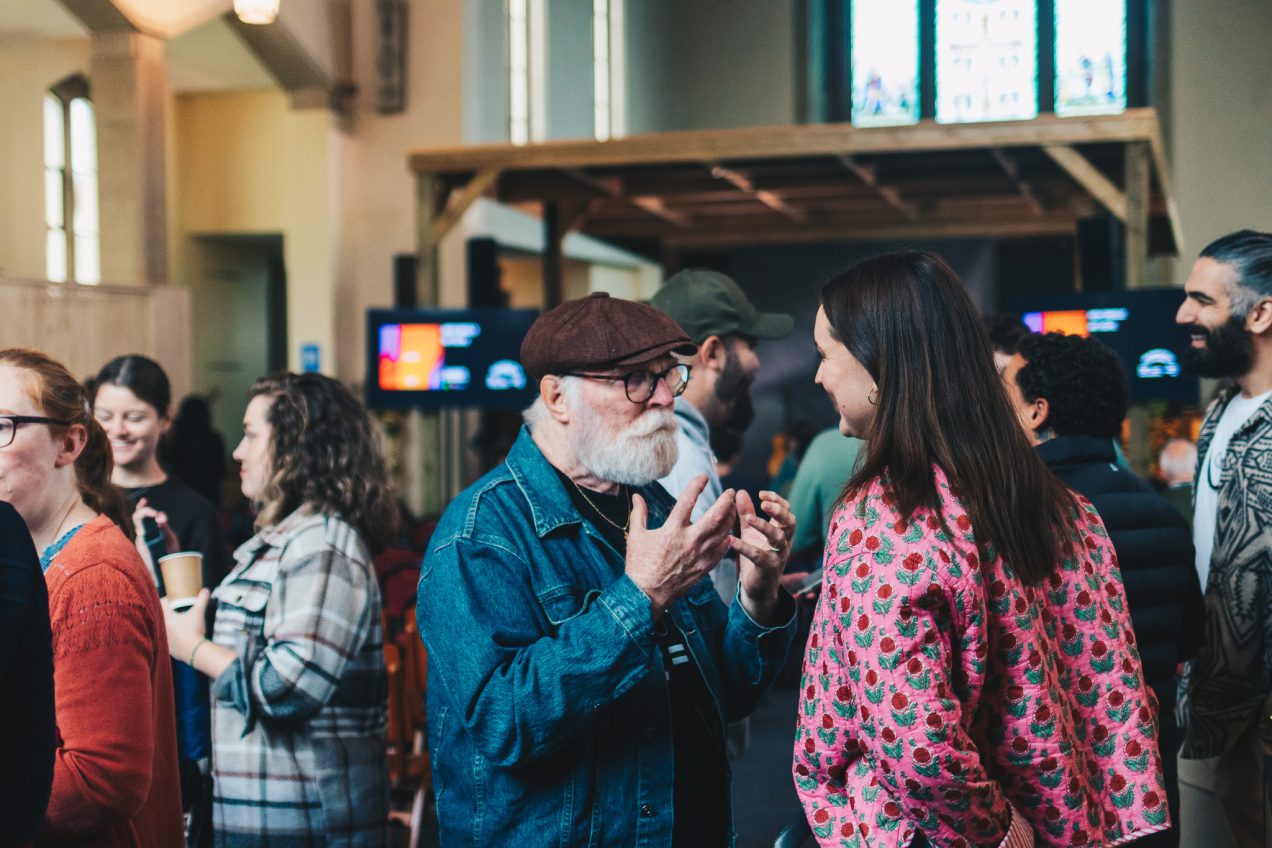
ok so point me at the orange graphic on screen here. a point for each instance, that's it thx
(411, 356)
(1071, 322)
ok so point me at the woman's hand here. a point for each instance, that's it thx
(187, 628)
(171, 543)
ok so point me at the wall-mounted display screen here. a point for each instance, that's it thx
(1138, 325)
(441, 358)
(885, 62)
(1090, 57)
(986, 60)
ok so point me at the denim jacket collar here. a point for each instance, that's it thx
(550, 503)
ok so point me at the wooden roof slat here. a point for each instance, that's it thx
(1090, 178)
(613, 188)
(768, 198)
(890, 195)
(1009, 168)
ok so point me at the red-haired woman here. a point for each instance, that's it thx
(115, 774)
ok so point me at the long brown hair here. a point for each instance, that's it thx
(60, 396)
(324, 455)
(908, 320)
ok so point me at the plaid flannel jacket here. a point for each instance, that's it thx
(298, 720)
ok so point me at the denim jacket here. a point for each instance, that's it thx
(548, 707)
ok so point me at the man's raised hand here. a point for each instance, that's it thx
(667, 562)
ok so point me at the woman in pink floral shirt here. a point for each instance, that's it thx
(971, 678)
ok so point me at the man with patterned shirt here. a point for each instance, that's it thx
(1228, 310)
(582, 667)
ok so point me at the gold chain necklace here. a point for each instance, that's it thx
(621, 528)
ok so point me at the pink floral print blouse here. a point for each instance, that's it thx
(942, 695)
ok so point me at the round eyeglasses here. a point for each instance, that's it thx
(640, 385)
(9, 425)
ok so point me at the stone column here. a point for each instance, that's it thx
(130, 101)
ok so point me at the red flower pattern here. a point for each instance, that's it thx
(1063, 732)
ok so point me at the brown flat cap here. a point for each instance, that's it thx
(600, 332)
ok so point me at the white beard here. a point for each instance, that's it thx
(641, 453)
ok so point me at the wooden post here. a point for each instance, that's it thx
(424, 482)
(1137, 190)
(553, 267)
(1138, 452)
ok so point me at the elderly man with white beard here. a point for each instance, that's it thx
(582, 667)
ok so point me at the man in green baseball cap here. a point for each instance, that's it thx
(717, 317)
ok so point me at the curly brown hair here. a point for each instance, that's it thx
(324, 456)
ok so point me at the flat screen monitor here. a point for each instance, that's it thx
(431, 359)
(1138, 325)
(1090, 57)
(986, 60)
(885, 62)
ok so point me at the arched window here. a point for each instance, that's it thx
(72, 242)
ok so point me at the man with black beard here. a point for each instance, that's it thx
(1228, 310)
(582, 668)
(725, 326)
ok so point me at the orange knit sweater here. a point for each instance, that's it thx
(115, 780)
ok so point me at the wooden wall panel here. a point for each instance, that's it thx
(86, 326)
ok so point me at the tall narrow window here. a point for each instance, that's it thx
(609, 70)
(986, 60)
(1090, 57)
(527, 70)
(72, 240)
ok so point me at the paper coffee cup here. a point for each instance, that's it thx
(182, 577)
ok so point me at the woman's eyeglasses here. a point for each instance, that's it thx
(9, 425)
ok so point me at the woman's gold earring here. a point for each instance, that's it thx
(872, 397)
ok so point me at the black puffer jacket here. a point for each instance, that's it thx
(1155, 553)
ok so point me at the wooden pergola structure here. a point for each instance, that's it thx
(665, 193)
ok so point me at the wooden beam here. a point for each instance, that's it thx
(768, 198)
(1013, 173)
(1021, 226)
(738, 144)
(460, 203)
(890, 195)
(1138, 178)
(613, 187)
(1089, 177)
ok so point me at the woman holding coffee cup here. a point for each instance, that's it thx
(296, 661)
(115, 771)
(132, 400)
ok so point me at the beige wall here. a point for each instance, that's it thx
(376, 192)
(27, 69)
(1221, 119)
(249, 164)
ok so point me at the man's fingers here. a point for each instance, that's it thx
(639, 514)
(718, 518)
(679, 515)
(745, 506)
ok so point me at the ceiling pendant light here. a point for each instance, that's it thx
(256, 11)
